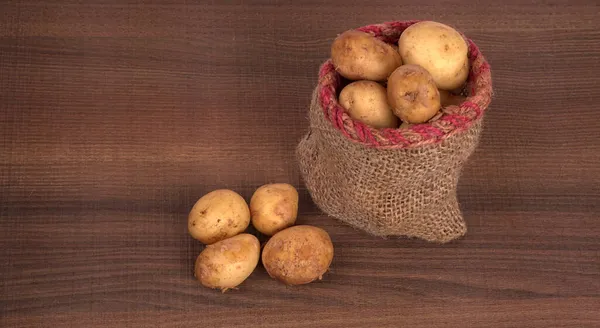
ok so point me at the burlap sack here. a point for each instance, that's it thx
(392, 182)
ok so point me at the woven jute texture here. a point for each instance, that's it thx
(392, 182)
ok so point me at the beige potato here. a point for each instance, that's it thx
(413, 95)
(358, 55)
(405, 125)
(220, 214)
(274, 207)
(298, 255)
(449, 99)
(226, 264)
(462, 77)
(438, 48)
(366, 101)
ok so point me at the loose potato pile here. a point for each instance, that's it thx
(293, 255)
(395, 87)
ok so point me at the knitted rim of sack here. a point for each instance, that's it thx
(453, 119)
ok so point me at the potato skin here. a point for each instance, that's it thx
(227, 263)
(298, 255)
(219, 214)
(358, 55)
(449, 99)
(366, 101)
(274, 207)
(438, 48)
(413, 95)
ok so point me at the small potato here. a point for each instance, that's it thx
(438, 48)
(412, 94)
(366, 101)
(404, 125)
(449, 99)
(274, 207)
(218, 215)
(227, 263)
(298, 255)
(358, 55)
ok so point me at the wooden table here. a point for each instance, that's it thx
(116, 116)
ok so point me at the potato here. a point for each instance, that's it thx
(436, 116)
(358, 55)
(438, 48)
(366, 101)
(449, 99)
(274, 207)
(412, 94)
(298, 255)
(218, 215)
(227, 263)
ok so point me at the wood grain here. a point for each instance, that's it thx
(116, 116)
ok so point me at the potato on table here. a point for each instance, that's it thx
(274, 207)
(298, 255)
(226, 264)
(218, 215)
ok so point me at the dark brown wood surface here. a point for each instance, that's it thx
(116, 116)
